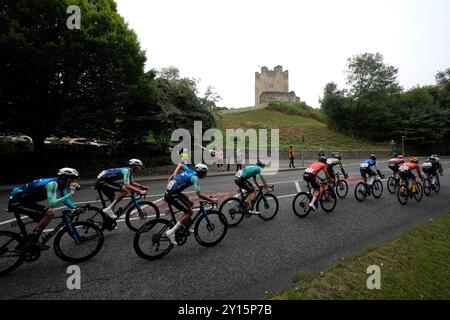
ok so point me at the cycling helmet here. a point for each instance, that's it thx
(260, 164)
(337, 156)
(323, 159)
(200, 167)
(68, 172)
(400, 156)
(433, 157)
(414, 160)
(373, 157)
(135, 162)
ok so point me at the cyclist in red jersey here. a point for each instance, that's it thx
(405, 172)
(310, 175)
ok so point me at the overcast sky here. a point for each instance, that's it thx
(224, 42)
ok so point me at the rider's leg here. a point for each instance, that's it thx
(36, 233)
(181, 202)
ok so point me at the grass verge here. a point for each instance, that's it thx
(413, 266)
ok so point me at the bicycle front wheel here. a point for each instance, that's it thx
(150, 241)
(135, 218)
(267, 206)
(11, 253)
(211, 229)
(94, 215)
(300, 204)
(377, 189)
(328, 200)
(79, 242)
(342, 189)
(233, 210)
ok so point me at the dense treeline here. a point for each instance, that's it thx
(376, 107)
(88, 82)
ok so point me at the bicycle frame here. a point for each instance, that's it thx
(66, 220)
(202, 211)
(133, 201)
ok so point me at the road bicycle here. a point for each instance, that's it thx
(363, 190)
(405, 191)
(428, 185)
(75, 242)
(235, 208)
(137, 212)
(151, 243)
(327, 199)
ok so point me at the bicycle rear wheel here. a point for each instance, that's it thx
(418, 195)
(300, 204)
(150, 241)
(361, 192)
(391, 185)
(427, 186)
(267, 207)
(94, 215)
(11, 252)
(135, 219)
(342, 189)
(402, 194)
(377, 189)
(233, 210)
(211, 230)
(78, 243)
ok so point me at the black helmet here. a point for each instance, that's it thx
(260, 164)
(323, 159)
(373, 157)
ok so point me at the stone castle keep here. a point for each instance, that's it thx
(273, 85)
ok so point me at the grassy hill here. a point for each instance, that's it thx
(293, 126)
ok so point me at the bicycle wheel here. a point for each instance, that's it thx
(11, 253)
(391, 185)
(78, 243)
(377, 189)
(300, 204)
(135, 220)
(233, 211)
(427, 187)
(267, 207)
(419, 192)
(211, 230)
(402, 194)
(94, 215)
(360, 192)
(150, 241)
(328, 200)
(342, 189)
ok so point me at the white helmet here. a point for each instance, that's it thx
(200, 167)
(70, 172)
(135, 162)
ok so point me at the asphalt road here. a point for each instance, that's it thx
(254, 259)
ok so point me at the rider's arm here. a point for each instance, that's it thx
(53, 200)
(342, 169)
(378, 170)
(179, 167)
(325, 170)
(419, 172)
(196, 184)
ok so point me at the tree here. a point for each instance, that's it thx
(57, 81)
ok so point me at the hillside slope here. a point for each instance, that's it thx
(316, 134)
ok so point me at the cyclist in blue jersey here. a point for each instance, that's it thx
(174, 196)
(241, 180)
(119, 180)
(366, 169)
(24, 200)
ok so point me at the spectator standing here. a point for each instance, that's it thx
(291, 154)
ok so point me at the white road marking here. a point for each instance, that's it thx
(297, 186)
